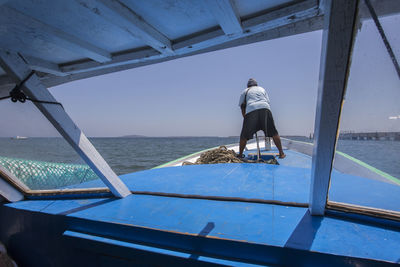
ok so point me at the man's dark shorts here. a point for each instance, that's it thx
(259, 119)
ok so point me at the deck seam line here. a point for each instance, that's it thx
(221, 198)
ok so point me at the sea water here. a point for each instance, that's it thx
(126, 155)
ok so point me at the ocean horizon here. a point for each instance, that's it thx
(132, 154)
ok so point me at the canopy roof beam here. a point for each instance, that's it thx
(44, 66)
(57, 37)
(226, 14)
(337, 42)
(16, 67)
(272, 20)
(127, 19)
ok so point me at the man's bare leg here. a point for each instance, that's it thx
(242, 145)
(277, 141)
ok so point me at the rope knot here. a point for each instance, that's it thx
(17, 95)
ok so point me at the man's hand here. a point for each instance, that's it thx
(243, 111)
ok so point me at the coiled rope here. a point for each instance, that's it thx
(224, 155)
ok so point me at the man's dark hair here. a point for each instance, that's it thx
(252, 82)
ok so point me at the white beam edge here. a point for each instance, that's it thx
(298, 12)
(299, 27)
(282, 16)
(337, 42)
(127, 19)
(15, 66)
(224, 11)
(44, 66)
(322, 4)
(8, 191)
(59, 37)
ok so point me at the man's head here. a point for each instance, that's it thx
(252, 82)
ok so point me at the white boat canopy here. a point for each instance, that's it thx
(69, 40)
(44, 43)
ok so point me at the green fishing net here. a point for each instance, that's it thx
(47, 175)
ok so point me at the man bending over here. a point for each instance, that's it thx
(254, 102)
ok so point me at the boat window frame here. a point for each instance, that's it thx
(322, 160)
(29, 83)
(28, 193)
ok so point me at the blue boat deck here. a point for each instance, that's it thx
(216, 212)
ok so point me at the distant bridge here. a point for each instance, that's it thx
(392, 136)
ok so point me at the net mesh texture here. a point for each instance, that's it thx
(41, 175)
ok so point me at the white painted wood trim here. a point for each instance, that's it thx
(285, 16)
(43, 66)
(127, 19)
(16, 67)
(7, 191)
(337, 41)
(307, 25)
(226, 14)
(59, 37)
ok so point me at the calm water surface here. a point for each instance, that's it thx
(126, 155)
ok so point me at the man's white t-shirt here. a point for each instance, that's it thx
(257, 98)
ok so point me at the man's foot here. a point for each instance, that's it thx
(282, 155)
(240, 156)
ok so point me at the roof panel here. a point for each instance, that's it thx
(84, 19)
(22, 38)
(174, 18)
(91, 37)
(248, 7)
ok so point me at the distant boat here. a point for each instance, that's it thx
(19, 137)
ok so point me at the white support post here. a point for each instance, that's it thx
(18, 69)
(226, 14)
(337, 41)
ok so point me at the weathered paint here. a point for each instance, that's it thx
(246, 232)
(337, 41)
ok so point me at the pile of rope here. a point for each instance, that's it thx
(224, 155)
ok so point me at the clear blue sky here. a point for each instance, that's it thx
(198, 95)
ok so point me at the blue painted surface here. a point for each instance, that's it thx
(254, 223)
(114, 242)
(272, 226)
(292, 159)
(269, 224)
(54, 206)
(357, 239)
(365, 192)
(261, 181)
